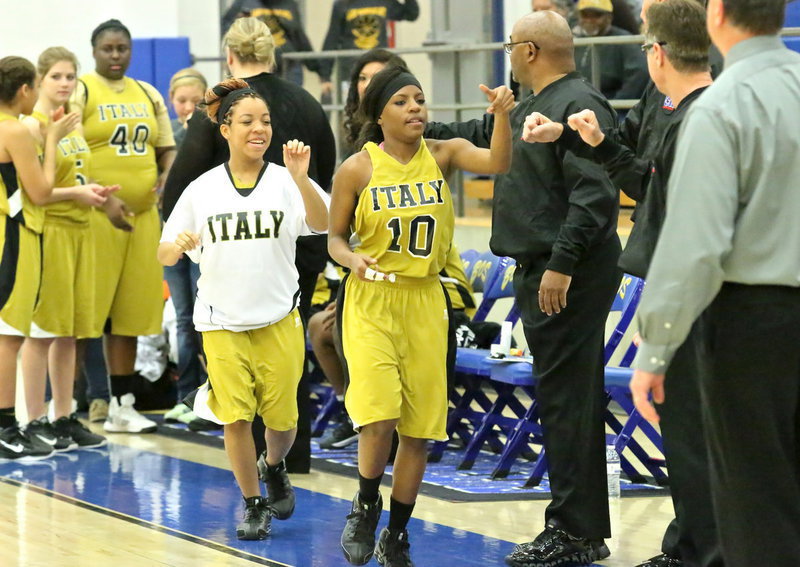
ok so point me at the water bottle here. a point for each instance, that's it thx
(612, 471)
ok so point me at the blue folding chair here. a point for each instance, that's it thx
(468, 259)
(491, 275)
(528, 430)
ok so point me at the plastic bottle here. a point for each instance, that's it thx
(612, 471)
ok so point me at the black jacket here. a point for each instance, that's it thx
(638, 156)
(623, 68)
(294, 114)
(551, 204)
(283, 19)
(361, 24)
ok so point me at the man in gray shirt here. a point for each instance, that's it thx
(731, 242)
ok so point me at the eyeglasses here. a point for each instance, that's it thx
(647, 46)
(507, 47)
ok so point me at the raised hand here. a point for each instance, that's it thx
(501, 99)
(62, 124)
(296, 157)
(586, 124)
(538, 128)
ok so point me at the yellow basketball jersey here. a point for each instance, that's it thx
(14, 201)
(72, 163)
(404, 216)
(121, 130)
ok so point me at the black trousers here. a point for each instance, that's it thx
(567, 350)
(751, 404)
(692, 536)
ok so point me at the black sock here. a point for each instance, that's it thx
(8, 417)
(274, 470)
(399, 515)
(121, 384)
(368, 488)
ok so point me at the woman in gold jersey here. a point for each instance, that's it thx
(65, 310)
(394, 312)
(24, 186)
(126, 125)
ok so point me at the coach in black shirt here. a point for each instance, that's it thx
(556, 214)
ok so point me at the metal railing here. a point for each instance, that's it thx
(336, 107)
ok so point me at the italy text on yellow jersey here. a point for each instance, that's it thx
(14, 201)
(404, 216)
(121, 129)
(72, 163)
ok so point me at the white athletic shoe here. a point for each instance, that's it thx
(123, 418)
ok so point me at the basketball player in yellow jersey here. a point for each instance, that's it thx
(394, 313)
(65, 309)
(127, 127)
(24, 186)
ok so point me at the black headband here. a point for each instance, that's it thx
(401, 80)
(229, 99)
(115, 25)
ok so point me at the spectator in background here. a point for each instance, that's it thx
(186, 90)
(561, 7)
(623, 68)
(361, 24)
(283, 19)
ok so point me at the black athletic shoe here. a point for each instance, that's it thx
(280, 494)
(554, 547)
(340, 436)
(78, 432)
(393, 549)
(16, 446)
(256, 522)
(200, 424)
(662, 560)
(42, 433)
(358, 537)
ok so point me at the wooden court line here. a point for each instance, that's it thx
(144, 523)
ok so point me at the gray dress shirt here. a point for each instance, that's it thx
(733, 203)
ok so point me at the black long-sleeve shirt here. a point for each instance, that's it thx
(623, 68)
(283, 19)
(638, 157)
(361, 24)
(551, 203)
(294, 114)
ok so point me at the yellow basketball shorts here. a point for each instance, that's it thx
(20, 275)
(256, 371)
(128, 275)
(66, 298)
(395, 344)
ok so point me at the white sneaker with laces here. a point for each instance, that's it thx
(123, 418)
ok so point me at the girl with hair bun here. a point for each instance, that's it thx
(65, 310)
(25, 185)
(393, 312)
(240, 221)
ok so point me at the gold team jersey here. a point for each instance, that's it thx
(121, 127)
(404, 216)
(72, 166)
(14, 202)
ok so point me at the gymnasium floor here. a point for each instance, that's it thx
(155, 500)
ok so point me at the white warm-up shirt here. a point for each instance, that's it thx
(247, 274)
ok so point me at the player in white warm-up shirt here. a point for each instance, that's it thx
(241, 221)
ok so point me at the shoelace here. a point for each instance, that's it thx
(362, 526)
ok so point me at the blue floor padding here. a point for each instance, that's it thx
(443, 479)
(200, 503)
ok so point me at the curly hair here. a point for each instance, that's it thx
(352, 124)
(214, 95)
